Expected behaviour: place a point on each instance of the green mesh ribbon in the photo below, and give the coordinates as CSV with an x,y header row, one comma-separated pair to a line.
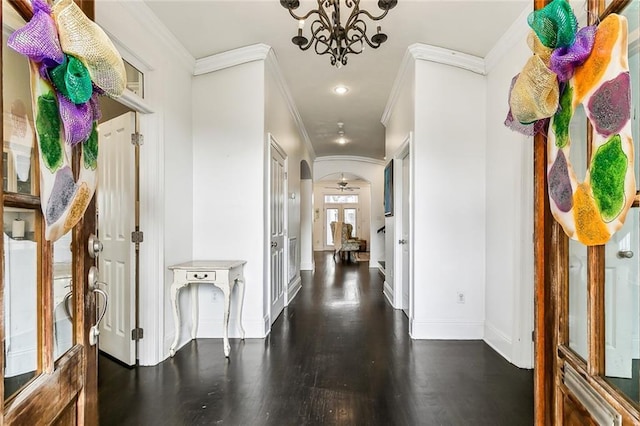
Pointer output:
x,y
48,127
608,170
90,149
72,79
555,24
562,118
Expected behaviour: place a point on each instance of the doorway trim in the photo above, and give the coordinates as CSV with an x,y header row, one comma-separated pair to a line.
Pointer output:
x,y
406,148
272,144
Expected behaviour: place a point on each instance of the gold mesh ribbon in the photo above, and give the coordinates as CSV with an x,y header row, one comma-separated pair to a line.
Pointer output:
x,y
82,38
538,48
535,93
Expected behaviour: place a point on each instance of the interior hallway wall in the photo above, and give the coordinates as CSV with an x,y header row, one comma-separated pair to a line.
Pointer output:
x,y
509,223
166,160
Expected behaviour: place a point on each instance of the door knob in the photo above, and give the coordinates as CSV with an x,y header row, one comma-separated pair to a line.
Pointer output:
x,y
625,254
95,246
402,241
274,244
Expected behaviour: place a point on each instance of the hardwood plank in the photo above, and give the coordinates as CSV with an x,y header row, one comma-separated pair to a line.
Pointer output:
x,y
339,354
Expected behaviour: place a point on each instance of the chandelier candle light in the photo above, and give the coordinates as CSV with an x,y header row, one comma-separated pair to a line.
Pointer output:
x,y
328,34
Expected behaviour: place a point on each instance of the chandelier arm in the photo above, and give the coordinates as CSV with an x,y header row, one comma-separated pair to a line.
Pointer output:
x,y
304,17
375,18
362,36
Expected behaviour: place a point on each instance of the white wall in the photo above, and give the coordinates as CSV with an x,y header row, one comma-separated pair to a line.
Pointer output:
x,y
371,171
509,224
230,181
449,202
166,160
228,191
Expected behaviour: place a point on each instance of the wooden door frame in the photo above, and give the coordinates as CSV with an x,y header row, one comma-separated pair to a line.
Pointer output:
x,y
551,246
79,365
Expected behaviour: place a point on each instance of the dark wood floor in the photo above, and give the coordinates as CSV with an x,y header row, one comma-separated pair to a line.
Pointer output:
x,y
339,355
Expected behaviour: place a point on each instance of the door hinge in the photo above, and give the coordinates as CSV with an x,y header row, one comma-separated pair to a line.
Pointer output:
x,y
137,334
137,237
137,139
533,336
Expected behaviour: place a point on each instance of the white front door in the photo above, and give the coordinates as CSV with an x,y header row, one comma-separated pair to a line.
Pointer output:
x,y
406,279
116,206
278,230
346,213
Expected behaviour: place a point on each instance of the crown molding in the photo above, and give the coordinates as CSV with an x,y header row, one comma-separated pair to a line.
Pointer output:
x,y
271,63
148,20
407,61
516,33
231,58
425,52
350,158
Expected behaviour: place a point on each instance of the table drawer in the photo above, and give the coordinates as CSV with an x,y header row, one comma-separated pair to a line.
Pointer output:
x,y
196,276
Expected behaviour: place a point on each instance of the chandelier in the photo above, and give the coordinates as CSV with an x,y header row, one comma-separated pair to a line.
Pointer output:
x,y
329,36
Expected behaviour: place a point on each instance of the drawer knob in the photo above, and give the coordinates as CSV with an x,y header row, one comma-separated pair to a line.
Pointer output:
x,y
200,277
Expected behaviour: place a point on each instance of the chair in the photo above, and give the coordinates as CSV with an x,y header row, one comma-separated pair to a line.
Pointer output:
x,y
343,242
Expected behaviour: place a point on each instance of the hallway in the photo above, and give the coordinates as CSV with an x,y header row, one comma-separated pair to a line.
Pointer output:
x,y
339,354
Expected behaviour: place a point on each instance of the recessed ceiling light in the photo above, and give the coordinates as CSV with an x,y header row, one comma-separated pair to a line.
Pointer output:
x,y
342,140
341,90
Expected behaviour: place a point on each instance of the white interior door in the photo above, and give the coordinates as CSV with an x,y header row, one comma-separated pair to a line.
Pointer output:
x,y
116,204
278,231
405,234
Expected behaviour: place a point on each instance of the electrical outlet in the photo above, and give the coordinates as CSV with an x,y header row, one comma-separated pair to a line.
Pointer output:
x,y
215,296
460,297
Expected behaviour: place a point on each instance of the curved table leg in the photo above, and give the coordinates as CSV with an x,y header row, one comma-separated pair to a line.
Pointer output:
x,y
227,303
194,310
240,284
176,318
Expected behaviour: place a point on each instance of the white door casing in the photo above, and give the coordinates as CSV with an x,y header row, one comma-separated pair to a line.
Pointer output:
x,y
277,231
116,203
405,233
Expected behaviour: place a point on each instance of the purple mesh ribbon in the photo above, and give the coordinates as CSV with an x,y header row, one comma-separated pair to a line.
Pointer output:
x,y
38,39
77,120
530,129
95,107
564,60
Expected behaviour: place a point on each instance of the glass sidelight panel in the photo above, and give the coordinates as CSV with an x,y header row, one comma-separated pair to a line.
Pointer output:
x,y
622,308
622,261
577,251
331,216
578,299
18,127
20,298
350,217
62,296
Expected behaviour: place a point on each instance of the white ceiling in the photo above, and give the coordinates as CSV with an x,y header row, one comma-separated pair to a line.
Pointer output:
x,y
209,27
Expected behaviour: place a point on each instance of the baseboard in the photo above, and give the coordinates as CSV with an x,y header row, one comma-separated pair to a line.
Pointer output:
x,y
499,341
382,271
308,266
446,330
294,288
388,293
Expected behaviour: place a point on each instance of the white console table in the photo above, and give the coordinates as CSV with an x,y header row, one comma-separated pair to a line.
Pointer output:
x,y
224,274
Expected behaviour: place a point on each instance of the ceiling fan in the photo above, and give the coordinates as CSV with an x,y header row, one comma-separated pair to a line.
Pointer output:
x,y
343,185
